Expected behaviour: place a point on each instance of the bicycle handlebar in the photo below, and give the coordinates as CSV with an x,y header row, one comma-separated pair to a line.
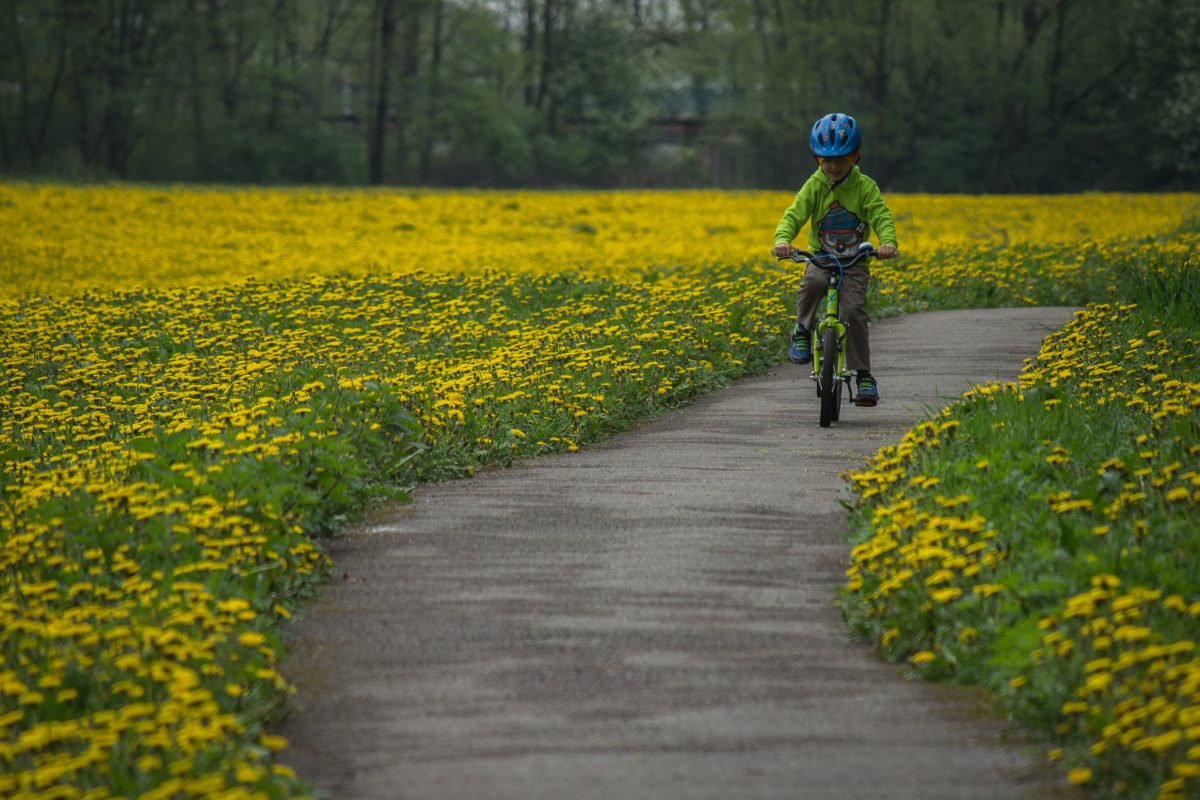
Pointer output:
x,y
829,260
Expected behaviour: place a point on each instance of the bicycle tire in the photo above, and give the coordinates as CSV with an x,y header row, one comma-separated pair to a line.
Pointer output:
x,y
831,389
816,371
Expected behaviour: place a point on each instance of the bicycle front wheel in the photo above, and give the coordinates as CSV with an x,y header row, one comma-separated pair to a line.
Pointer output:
x,y
831,381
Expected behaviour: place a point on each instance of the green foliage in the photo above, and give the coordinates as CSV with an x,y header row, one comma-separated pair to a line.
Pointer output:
x,y
1004,96
488,142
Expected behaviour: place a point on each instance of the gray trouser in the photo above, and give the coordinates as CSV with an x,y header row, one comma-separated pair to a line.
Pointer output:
x,y
854,309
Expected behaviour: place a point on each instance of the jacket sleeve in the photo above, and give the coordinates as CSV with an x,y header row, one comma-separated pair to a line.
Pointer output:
x,y
878,215
795,217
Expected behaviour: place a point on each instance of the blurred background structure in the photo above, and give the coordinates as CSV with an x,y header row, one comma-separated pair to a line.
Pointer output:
x,y
954,95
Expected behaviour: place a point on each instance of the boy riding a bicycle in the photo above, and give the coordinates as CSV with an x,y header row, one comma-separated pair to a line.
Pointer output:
x,y
841,206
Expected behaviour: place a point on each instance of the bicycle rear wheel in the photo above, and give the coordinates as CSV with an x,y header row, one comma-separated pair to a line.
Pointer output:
x,y
831,381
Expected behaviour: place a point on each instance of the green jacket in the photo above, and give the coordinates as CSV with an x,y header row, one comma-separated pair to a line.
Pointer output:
x,y
842,216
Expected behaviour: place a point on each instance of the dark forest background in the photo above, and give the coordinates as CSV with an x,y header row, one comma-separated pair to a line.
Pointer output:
x,y
953,95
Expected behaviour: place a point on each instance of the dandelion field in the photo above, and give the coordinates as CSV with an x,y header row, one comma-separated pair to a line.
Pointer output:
x,y
1041,538
199,384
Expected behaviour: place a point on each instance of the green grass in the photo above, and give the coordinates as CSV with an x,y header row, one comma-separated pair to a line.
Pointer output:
x,y
1081,483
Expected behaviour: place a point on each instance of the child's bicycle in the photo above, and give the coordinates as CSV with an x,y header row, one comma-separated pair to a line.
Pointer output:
x,y
829,334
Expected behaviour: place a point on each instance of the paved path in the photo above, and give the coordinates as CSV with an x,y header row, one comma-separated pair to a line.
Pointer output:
x,y
652,617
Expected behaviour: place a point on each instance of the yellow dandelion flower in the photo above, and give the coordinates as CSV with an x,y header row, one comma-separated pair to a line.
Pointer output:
x,y
1079,775
251,638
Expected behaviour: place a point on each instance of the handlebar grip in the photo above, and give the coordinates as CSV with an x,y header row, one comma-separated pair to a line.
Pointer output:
x,y
797,255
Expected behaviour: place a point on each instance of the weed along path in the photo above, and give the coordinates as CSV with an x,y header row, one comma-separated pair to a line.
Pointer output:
x,y
652,617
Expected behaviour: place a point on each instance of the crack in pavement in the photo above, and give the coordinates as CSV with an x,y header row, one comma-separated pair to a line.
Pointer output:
x,y
653,617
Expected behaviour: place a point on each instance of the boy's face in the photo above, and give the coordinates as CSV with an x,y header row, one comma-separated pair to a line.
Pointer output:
x,y
837,168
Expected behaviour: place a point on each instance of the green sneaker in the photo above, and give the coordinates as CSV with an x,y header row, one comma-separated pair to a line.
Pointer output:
x,y
868,391
800,351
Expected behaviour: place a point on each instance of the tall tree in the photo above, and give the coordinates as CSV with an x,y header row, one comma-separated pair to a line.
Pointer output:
x,y
379,83
409,90
433,96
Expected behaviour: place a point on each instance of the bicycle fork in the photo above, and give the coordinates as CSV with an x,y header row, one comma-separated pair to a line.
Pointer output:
x,y
829,316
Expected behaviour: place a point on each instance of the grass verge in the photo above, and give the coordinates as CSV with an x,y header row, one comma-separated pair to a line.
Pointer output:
x,y
1040,539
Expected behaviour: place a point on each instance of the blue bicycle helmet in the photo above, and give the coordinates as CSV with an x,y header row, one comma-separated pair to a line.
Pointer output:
x,y
835,135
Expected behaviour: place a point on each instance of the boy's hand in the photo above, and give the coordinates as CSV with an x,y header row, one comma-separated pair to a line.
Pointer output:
x,y
886,251
782,250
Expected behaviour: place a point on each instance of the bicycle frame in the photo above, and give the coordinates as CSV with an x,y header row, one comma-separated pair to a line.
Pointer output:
x,y
828,376
829,316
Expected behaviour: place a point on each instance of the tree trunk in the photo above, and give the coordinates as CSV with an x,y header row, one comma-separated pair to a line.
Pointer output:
x,y
381,68
697,21
432,128
24,122
325,36
278,26
529,53
201,157
35,138
880,92
84,69
224,56
409,70
117,129
762,34
545,100
1056,60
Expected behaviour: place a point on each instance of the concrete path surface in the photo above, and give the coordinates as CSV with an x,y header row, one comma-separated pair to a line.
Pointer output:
x,y
652,617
